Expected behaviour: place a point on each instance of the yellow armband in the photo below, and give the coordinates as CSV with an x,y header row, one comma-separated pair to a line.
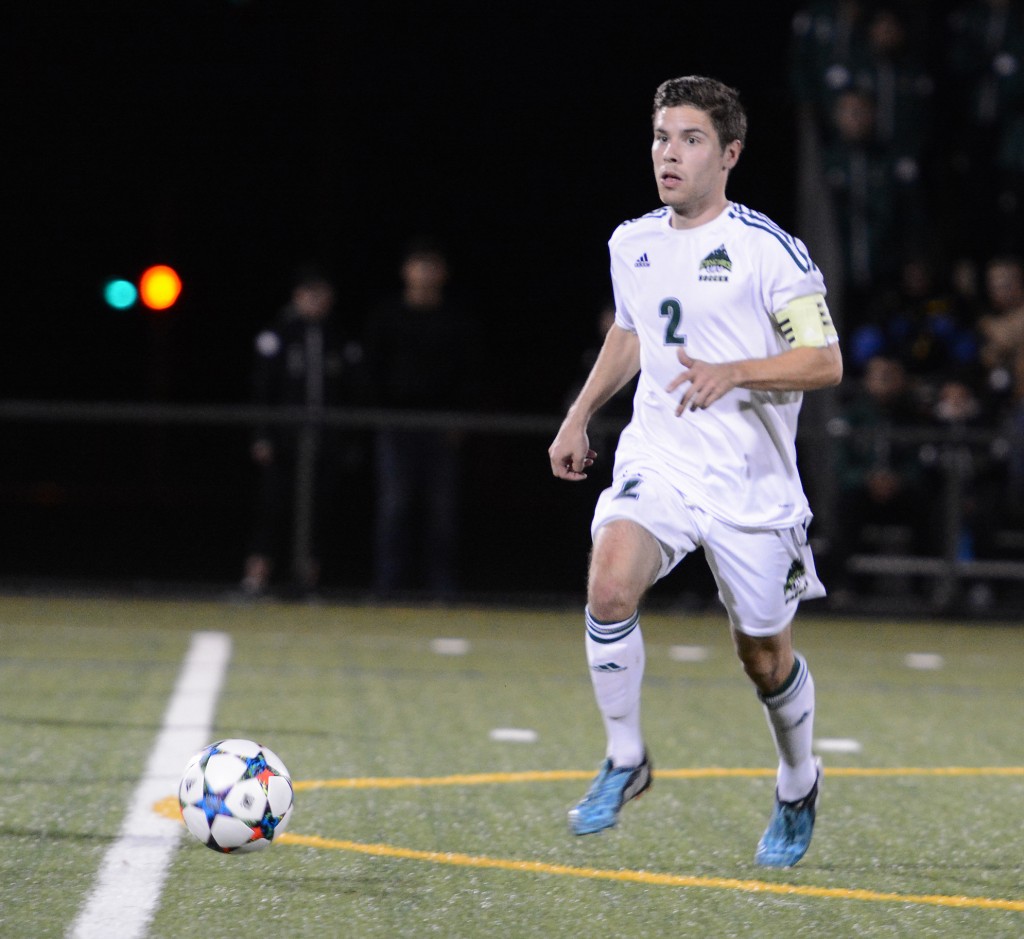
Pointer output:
x,y
806,323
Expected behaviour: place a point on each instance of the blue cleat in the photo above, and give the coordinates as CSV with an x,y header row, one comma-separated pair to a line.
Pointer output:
x,y
609,792
789,831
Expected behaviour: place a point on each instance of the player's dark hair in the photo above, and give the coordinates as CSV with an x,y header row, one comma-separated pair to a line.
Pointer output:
x,y
720,102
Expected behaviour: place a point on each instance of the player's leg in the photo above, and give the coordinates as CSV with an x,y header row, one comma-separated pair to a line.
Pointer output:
x,y
624,563
761,577
785,688
626,560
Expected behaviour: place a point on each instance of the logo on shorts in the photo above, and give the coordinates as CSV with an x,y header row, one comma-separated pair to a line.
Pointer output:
x,y
716,266
796,581
629,487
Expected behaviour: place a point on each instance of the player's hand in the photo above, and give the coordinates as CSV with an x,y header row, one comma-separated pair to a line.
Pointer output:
x,y
570,454
708,381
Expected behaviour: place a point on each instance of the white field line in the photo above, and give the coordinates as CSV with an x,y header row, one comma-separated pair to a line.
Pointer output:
x,y
132,875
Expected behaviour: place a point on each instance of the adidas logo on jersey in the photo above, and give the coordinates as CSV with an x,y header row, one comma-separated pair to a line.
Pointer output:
x,y
716,266
608,667
642,261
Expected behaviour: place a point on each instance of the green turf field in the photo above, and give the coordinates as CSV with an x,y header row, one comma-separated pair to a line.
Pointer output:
x,y
411,820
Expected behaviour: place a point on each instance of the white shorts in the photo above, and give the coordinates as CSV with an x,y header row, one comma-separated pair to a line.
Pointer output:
x,y
762,574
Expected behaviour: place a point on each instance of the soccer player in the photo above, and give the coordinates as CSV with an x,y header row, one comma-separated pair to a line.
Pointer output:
x,y
723,315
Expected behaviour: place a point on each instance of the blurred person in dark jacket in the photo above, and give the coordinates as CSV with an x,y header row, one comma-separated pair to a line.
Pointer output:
x,y
930,327
1002,355
423,353
883,484
304,359
1002,326
829,37
984,93
878,196
896,75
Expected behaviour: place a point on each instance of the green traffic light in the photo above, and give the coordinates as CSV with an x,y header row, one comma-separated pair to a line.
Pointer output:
x,y
120,294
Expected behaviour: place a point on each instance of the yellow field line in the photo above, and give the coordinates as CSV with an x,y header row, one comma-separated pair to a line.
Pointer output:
x,y
484,779
169,807
648,877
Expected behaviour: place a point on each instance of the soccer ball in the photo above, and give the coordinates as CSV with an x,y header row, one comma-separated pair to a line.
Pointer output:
x,y
236,795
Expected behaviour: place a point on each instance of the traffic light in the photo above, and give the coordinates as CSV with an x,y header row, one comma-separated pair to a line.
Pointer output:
x,y
159,287
120,294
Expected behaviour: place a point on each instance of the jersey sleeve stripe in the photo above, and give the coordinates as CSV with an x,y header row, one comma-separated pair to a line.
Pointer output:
x,y
801,262
749,217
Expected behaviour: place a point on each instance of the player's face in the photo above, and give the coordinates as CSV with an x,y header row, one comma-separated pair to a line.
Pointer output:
x,y
690,165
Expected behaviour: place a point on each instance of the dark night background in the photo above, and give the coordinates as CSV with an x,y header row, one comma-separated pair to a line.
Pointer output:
x,y
234,140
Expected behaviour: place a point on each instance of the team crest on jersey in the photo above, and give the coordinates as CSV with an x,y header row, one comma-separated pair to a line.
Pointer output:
x,y
716,266
796,581
629,488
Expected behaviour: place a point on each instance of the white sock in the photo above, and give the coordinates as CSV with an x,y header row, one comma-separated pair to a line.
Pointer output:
x,y
615,653
790,713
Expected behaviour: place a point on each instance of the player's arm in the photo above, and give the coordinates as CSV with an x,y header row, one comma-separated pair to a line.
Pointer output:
x,y
812,361
617,363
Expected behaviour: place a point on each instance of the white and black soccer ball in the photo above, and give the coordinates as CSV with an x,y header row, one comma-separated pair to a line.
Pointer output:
x,y
236,795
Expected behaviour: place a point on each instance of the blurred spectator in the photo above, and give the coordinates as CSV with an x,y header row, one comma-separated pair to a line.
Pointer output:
x,y
979,480
1002,329
828,39
900,194
306,358
985,88
1009,161
965,290
926,327
885,499
984,46
1002,353
424,353
899,83
878,201
957,403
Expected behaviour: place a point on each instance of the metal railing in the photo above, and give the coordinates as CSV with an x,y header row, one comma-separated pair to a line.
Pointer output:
x,y
952,452
309,424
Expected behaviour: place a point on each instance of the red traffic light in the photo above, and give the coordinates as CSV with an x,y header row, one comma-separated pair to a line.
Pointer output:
x,y
159,287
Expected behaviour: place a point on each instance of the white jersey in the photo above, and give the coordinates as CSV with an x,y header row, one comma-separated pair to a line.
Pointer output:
x,y
713,289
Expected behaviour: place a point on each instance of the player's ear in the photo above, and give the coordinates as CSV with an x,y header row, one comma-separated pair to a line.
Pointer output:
x,y
731,154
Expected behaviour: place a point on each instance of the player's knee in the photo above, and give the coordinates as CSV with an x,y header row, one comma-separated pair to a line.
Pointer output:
x,y
624,563
767,668
612,598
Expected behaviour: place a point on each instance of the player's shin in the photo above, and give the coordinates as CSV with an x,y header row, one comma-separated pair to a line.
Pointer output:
x,y
615,654
790,713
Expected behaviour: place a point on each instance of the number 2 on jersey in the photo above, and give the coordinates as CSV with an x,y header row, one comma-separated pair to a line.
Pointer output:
x,y
671,308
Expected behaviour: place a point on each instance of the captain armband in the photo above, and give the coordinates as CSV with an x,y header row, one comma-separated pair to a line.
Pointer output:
x,y
806,323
